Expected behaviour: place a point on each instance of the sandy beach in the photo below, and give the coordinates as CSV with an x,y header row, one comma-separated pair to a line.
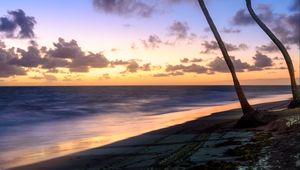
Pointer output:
x,y
207,142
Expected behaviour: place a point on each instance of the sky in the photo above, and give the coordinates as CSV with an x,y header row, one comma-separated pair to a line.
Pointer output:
x,y
139,42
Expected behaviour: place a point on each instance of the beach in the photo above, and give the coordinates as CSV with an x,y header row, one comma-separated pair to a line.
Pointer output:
x,y
43,123
202,143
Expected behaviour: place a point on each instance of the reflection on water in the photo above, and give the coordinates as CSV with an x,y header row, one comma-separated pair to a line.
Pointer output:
x,y
29,144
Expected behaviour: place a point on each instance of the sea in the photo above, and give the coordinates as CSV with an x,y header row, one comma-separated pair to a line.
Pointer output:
x,y
40,123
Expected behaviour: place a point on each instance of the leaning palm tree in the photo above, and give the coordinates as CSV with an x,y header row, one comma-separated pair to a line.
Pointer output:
x,y
296,94
250,117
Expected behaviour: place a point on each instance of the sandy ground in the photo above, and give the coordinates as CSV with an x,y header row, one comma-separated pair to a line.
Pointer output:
x,y
210,142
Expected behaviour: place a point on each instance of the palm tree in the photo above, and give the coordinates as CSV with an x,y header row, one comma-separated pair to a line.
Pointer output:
x,y
296,94
250,117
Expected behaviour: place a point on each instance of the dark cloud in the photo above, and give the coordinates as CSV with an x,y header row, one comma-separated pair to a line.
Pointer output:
x,y
119,62
52,63
285,26
231,30
193,68
65,49
6,69
132,67
184,60
242,17
29,58
294,35
179,30
295,6
80,61
194,60
271,47
93,60
17,21
261,60
172,68
210,47
177,73
153,41
219,65
146,67
231,47
125,7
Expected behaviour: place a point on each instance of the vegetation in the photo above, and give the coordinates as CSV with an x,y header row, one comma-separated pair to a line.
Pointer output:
x,y
296,94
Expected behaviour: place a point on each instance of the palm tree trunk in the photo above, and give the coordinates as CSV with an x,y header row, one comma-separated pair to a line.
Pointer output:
x,y
288,60
246,107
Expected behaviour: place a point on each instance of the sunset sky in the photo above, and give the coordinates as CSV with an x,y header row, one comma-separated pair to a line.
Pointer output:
x,y
143,42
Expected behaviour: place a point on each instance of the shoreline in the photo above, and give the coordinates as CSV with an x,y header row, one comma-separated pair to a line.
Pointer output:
x,y
133,127
179,134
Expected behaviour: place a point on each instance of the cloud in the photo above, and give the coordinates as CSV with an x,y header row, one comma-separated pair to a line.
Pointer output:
x,y
285,26
17,21
49,77
65,49
93,60
105,76
231,47
153,41
171,68
161,75
146,67
119,62
30,58
193,68
125,8
210,47
219,65
271,47
177,73
293,21
295,6
132,67
194,60
37,77
262,60
179,30
80,61
2,44
231,30
6,69
184,60
52,63
242,18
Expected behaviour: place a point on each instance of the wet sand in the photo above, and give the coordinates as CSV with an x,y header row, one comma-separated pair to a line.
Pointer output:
x,y
182,146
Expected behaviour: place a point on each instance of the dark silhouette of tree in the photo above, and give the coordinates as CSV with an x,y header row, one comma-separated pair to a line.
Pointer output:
x,y
251,116
296,94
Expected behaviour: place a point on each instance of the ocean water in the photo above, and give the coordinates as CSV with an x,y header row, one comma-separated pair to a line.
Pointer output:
x,y
38,123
